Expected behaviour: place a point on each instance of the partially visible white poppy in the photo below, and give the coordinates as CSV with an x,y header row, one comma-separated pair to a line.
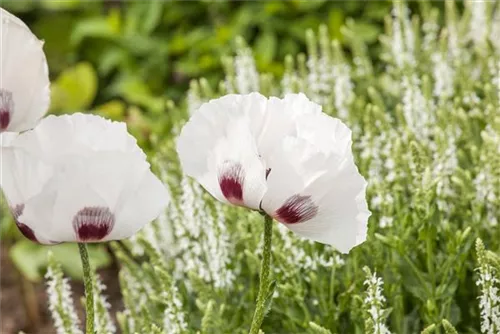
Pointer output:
x,y
24,76
282,156
79,178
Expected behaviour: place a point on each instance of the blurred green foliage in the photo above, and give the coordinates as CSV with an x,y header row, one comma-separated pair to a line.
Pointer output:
x,y
125,59
31,259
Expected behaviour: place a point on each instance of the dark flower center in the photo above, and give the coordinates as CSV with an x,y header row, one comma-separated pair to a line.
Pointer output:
x,y
17,211
231,177
93,223
6,108
296,209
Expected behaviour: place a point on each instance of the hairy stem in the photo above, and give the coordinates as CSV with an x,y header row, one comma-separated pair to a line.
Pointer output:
x,y
259,314
89,295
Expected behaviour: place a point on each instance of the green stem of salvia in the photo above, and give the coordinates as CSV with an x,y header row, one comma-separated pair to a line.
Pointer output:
x,y
259,314
89,295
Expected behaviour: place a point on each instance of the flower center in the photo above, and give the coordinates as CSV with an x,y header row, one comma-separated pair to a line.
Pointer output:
x,y
6,108
296,209
17,211
93,223
231,177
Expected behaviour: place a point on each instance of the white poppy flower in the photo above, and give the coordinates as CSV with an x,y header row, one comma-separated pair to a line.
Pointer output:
x,y
283,156
79,178
24,76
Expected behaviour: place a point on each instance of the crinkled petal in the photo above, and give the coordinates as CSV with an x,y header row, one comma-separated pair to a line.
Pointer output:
x,y
281,120
105,197
22,175
56,137
326,200
218,148
100,188
52,212
142,205
24,84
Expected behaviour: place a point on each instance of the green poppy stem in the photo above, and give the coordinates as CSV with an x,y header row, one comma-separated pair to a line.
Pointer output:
x,y
89,294
260,308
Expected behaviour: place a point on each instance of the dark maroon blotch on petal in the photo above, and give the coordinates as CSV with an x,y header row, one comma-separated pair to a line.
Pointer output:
x,y
6,108
27,231
296,209
93,223
4,119
231,179
17,211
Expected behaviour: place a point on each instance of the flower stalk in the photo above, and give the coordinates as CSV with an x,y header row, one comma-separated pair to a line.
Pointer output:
x,y
263,295
89,294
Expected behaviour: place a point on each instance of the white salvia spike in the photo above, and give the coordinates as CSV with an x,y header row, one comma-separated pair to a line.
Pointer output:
x,y
343,89
495,30
403,40
489,300
478,29
24,76
247,77
418,112
61,304
209,257
374,303
80,178
193,99
444,77
102,322
173,317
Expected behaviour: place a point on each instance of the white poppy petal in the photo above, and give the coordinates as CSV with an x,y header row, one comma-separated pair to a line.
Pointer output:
x,y
55,211
329,135
218,148
342,212
141,206
56,137
22,177
325,202
289,175
281,120
24,76
101,188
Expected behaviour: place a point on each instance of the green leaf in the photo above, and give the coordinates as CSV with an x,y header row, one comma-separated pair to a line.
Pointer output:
x,y
18,6
317,329
265,47
57,44
307,6
28,258
448,327
98,27
335,22
368,32
68,256
114,110
59,5
136,91
74,89
152,17
31,258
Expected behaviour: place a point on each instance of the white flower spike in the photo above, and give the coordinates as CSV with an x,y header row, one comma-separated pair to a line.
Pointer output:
x,y
24,76
283,156
79,178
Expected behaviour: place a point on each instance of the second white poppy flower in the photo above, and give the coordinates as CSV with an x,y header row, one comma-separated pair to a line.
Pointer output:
x,y
283,156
